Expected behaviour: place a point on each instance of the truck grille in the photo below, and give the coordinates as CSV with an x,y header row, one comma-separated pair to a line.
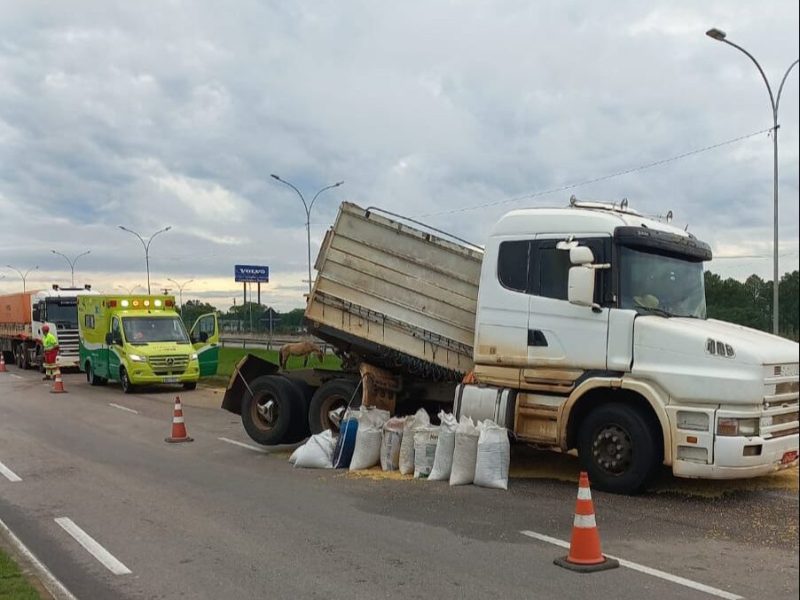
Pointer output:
x,y
781,416
169,365
68,342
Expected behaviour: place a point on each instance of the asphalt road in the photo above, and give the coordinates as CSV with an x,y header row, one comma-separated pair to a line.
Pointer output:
x,y
211,519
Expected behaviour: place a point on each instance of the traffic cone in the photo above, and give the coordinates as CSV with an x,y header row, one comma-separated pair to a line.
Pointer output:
x,y
584,547
58,384
178,426
2,362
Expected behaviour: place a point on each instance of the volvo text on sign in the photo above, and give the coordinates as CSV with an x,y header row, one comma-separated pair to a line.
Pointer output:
x,y
251,273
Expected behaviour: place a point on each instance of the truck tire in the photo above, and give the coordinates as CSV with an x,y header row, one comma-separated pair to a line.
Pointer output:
x,y
190,385
330,396
91,377
619,448
267,412
300,427
125,381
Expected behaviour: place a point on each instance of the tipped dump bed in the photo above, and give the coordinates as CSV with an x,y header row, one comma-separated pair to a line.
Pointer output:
x,y
396,295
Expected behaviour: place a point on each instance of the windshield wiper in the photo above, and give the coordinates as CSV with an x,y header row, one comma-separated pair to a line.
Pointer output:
x,y
656,311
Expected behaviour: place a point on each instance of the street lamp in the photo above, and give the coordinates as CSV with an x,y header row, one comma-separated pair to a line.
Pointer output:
x,y
146,246
23,275
180,289
127,289
720,36
308,208
72,262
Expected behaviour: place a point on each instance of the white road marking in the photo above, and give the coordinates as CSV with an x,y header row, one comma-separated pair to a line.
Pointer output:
x,y
53,585
9,474
84,539
16,376
643,569
243,445
125,408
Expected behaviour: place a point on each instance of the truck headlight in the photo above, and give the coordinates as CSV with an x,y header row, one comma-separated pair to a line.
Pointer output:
x,y
137,358
737,427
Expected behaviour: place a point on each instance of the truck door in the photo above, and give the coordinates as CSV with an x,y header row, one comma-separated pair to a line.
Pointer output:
x,y
564,340
205,338
114,349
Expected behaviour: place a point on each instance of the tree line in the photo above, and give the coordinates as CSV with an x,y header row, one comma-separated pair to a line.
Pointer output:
x,y
747,303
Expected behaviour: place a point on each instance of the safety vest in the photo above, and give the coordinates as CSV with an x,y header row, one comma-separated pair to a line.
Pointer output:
x,y
49,342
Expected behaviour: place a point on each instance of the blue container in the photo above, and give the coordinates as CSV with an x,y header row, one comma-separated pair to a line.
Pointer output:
x,y
343,453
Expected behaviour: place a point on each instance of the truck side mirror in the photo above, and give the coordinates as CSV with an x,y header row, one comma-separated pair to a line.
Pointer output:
x,y
581,285
36,314
581,255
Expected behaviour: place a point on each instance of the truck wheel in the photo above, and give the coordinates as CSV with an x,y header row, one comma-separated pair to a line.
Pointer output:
x,y
619,448
267,412
125,381
328,397
91,377
300,428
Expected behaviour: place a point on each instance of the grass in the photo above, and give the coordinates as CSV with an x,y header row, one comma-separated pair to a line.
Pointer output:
x,y
229,357
13,585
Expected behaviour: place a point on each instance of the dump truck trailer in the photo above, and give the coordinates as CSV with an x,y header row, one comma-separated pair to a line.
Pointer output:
x,y
577,328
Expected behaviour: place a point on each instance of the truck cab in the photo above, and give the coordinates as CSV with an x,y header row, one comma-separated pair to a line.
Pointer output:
x,y
141,340
596,315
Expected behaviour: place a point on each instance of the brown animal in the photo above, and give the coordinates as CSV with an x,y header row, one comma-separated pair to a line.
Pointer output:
x,y
304,349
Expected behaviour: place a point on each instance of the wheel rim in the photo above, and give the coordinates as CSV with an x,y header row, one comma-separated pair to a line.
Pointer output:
x,y
264,411
126,384
612,449
331,403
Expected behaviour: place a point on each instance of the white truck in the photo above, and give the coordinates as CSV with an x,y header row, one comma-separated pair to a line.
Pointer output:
x,y
579,328
22,316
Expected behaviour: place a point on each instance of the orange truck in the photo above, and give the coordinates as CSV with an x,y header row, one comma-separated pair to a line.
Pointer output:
x,y
22,316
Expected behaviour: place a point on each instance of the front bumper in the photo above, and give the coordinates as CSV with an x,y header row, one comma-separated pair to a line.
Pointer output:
x,y
143,375
731,463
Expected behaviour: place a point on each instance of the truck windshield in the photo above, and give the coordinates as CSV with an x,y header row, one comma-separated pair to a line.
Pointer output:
x,y
659,284
144,330
63,312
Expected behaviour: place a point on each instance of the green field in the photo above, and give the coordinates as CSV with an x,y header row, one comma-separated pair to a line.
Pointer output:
x,y
229,357
13,585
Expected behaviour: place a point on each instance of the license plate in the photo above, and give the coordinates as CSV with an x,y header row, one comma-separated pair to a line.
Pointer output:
x,y
789,457
170,380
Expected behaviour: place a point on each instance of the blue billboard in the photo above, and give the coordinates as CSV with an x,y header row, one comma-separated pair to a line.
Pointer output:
x,y
251,273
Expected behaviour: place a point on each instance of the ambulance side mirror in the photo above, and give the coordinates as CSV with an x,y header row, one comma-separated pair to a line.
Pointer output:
x,y
109,338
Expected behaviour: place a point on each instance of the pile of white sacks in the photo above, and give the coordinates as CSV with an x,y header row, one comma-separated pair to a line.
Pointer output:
x,y
461,452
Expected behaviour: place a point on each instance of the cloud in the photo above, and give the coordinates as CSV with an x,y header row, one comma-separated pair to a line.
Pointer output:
x,y
114,113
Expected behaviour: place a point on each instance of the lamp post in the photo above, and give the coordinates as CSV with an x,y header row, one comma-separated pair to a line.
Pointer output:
x,y
146,246
127,289
24,276
180,289
72,263
308,208
775,101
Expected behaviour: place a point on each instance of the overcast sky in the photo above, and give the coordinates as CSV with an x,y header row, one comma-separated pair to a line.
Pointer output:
x,y
149,114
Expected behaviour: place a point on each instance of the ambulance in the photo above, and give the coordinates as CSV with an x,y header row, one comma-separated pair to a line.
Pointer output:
x,y
140,340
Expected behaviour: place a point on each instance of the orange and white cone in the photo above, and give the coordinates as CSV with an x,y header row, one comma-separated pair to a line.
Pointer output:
x,y
178,426
58,384
584,547
2,362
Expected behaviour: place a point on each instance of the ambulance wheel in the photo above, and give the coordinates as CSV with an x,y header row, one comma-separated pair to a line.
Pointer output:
x,y
91,377
190,385
125,381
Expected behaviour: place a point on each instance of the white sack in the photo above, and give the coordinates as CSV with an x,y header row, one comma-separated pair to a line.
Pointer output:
x,y
367,451
443,460
316,453
494,455
390,445
425,440
465,452
420,419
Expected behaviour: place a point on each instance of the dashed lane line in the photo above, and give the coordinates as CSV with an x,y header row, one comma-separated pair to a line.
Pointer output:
x,y
243,445
49,581
125,408
108,560
9,474
643,569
